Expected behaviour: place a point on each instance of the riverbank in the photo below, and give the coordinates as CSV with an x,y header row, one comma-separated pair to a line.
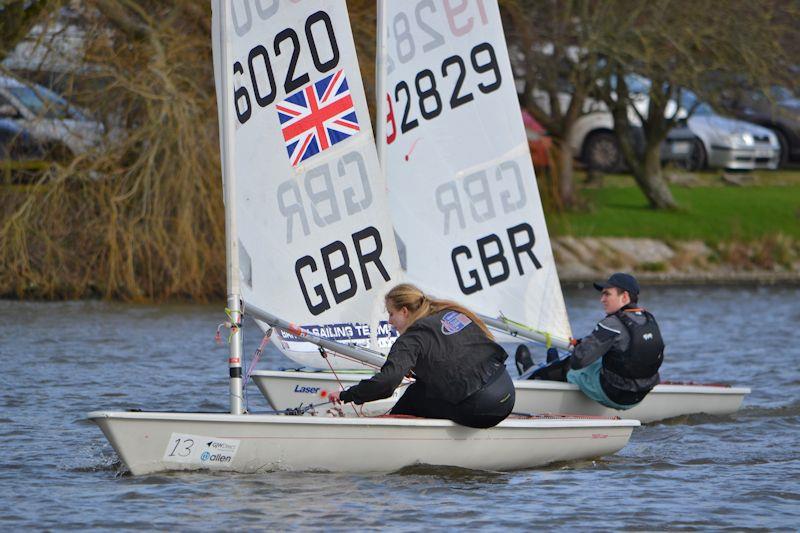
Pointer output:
x,y
770,261
729,228
726,230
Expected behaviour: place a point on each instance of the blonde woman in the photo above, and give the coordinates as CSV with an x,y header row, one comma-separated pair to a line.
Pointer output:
x,y
459,369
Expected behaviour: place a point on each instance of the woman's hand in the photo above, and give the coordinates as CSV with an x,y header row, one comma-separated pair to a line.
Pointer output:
x,y
333,397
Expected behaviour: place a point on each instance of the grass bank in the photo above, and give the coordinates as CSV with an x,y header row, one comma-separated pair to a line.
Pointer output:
x,y
711,209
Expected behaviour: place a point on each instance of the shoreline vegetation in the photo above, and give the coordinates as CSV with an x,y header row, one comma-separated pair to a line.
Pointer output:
x,y
140,217
730,229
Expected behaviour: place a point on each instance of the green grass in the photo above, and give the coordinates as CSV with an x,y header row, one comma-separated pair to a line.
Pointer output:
x,y
711,212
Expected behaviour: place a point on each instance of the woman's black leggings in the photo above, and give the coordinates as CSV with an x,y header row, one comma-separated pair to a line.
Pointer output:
x,y
487,407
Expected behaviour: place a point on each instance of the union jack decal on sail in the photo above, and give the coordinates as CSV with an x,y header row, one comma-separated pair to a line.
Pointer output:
x,y
317,116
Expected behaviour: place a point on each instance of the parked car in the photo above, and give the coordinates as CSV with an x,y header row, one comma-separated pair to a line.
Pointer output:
x,y
779,111
593,141
46,117
16,144
539,142
729,143
718,142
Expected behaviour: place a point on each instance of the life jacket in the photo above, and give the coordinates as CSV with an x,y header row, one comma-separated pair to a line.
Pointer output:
x,y
645,352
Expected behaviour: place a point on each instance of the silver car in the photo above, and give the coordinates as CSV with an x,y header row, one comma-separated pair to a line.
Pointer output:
x,y
46,116
728,143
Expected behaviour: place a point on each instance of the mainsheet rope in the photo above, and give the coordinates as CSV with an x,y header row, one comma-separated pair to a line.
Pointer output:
x,y
253,362
233,326
324,355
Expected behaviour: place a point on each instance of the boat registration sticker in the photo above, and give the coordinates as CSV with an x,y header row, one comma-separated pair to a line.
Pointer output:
x,y
200,450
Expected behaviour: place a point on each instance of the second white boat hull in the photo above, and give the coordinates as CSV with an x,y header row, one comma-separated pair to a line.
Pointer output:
x,y
157,442
290,389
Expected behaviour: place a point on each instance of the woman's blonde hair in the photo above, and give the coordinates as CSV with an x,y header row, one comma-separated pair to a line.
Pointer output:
x,y
420,305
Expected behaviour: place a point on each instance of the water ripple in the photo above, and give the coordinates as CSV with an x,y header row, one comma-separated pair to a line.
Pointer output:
x,y
698,472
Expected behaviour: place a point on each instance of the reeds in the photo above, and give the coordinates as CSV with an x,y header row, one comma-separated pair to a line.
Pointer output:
x,y
140,216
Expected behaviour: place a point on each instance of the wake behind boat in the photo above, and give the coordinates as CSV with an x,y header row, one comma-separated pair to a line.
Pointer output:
x,y
307,234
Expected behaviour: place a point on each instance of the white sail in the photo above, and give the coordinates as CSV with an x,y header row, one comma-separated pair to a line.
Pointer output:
x,y
462,190
315,245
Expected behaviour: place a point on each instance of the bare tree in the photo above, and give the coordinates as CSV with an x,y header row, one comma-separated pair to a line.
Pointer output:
x,y
553,47
567,53
140,216
678,45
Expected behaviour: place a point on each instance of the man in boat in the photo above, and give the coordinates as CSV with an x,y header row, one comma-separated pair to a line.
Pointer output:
x,y
459,370
617,363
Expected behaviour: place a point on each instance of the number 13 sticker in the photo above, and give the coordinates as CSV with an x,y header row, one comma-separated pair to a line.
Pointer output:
x,y
198,449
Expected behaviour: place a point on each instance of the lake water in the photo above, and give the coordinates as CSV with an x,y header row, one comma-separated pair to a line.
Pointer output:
x,y
61,360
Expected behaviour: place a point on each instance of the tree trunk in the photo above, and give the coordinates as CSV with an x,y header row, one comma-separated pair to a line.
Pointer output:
x,y
566,175
651,180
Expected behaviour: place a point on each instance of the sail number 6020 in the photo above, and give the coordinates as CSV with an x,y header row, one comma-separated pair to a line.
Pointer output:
x,y
259,66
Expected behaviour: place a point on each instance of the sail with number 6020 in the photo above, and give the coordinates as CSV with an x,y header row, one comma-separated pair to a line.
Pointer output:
x,y
313,208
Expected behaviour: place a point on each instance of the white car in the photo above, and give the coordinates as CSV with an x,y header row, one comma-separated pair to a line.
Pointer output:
x,y
47,117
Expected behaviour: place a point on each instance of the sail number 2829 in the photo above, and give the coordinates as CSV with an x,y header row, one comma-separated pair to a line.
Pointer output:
x,y
428,94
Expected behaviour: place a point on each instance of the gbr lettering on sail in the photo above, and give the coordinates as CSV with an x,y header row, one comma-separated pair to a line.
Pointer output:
x,y
312,227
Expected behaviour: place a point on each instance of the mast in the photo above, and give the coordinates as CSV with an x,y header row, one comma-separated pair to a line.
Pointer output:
x,y
229,197
380,82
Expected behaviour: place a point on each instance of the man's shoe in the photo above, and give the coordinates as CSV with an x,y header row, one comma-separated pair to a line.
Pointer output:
x,y
523,359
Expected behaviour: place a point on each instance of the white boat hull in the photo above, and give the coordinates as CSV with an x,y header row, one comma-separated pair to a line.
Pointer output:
x,y
290,389
157,442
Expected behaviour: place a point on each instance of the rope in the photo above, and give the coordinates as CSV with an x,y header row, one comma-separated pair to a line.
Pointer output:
x,y
257,356
252,366
232,323
324,355
343,356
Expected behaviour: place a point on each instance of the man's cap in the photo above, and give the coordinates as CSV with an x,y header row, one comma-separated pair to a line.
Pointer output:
x,y
620,280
